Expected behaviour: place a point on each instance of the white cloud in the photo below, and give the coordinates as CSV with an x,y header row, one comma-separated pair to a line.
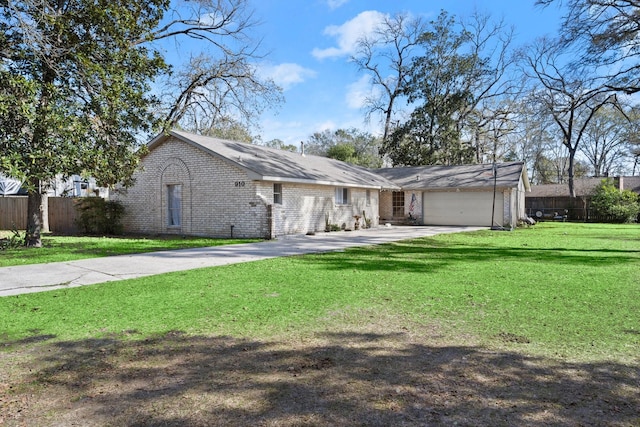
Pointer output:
x,y
334,4
287,74
326,125
358,92
348,34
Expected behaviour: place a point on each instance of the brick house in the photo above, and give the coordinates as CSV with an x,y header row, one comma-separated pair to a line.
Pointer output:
x,y
475,195
196,185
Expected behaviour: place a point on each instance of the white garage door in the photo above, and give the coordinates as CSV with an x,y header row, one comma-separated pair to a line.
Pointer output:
x,y
462,208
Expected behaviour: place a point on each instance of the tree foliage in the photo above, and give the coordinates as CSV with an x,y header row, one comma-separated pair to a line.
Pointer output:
x,y
450,89
281,145
76,82
617,205
349,145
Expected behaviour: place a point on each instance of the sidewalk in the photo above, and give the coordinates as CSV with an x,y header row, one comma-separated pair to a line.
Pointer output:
x,y
44,277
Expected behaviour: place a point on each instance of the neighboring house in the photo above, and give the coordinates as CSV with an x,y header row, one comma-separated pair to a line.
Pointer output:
x,y
73,186
196,185
9,186
480,195
552,201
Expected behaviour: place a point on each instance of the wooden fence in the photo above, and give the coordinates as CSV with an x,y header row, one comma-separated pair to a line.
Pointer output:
x,y
564,208
62,214
572,209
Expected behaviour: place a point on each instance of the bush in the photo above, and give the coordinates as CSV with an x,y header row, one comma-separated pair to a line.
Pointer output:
x,y
100,216
615,205
12,242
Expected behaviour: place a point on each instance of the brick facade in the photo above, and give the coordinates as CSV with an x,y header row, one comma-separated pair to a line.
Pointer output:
x,y
220,200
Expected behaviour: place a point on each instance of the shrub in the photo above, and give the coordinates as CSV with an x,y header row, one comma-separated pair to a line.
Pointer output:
x,y
615,205
100,216
13,241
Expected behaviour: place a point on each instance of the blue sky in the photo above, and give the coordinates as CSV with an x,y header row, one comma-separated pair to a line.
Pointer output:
x,y
310,41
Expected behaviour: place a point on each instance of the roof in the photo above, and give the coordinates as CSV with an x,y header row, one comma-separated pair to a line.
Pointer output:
x,y
451,177
270,164
582,186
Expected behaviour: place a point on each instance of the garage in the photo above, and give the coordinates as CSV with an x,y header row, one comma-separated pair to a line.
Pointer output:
x,y
462,208
456,195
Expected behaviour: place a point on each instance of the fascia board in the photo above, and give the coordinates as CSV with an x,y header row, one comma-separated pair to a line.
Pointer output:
x,y
316,182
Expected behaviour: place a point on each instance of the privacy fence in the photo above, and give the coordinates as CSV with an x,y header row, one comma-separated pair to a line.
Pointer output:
x,y
564,208
62,214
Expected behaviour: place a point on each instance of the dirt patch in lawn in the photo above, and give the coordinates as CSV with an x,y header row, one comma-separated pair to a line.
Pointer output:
x,y
343,377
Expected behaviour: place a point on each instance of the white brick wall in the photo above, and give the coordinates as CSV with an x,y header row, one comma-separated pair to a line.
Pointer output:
x,y
305,208
218,197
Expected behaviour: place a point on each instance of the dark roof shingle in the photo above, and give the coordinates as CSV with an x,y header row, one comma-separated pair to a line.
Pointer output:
x,y
466,176
270,164
583,187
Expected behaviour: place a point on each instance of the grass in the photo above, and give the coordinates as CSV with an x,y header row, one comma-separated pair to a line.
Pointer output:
x,y
69,248
560,290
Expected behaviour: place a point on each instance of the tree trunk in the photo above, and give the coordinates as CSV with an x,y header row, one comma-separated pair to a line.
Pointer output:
x,y
44,208
34,216
572,190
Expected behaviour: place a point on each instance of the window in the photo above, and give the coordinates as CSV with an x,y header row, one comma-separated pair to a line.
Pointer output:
x,y
174,205
277,194
342,196
368,197
397,202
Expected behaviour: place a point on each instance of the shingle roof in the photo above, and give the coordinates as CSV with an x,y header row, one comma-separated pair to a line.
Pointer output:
x,y
465,176
269,164
582,186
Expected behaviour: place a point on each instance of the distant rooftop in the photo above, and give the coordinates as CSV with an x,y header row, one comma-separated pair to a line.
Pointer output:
x,y
583,187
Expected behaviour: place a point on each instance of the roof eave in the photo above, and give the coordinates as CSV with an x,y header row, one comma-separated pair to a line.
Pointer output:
x,y
257,177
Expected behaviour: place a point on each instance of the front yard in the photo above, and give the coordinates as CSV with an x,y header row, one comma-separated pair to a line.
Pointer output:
x,y
69,248
540,326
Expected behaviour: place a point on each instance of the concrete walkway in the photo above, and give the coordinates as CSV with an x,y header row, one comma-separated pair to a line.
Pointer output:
x,y
44,277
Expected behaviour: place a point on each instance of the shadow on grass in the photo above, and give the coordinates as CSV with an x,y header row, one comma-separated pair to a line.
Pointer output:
x,y
337,379
428,254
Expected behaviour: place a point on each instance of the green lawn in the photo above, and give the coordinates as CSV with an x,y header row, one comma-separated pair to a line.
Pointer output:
x,y
556,289
69,248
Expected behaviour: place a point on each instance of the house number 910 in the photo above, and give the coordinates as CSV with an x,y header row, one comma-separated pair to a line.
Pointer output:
x,y
239,183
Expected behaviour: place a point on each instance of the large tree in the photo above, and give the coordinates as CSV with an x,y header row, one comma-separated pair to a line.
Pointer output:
x,y
606,141
77,80
571,97
453,89
606,32
385,55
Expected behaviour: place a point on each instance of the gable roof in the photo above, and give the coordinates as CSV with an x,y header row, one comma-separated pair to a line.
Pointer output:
x,y
270,164
583,187
452,177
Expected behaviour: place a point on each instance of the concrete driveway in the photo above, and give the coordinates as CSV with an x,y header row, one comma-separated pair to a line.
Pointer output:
x,y
44,277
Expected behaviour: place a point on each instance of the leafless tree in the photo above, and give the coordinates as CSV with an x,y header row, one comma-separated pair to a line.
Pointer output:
x,y
220,82
607,32
386,56
486,120
606,140
571,97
